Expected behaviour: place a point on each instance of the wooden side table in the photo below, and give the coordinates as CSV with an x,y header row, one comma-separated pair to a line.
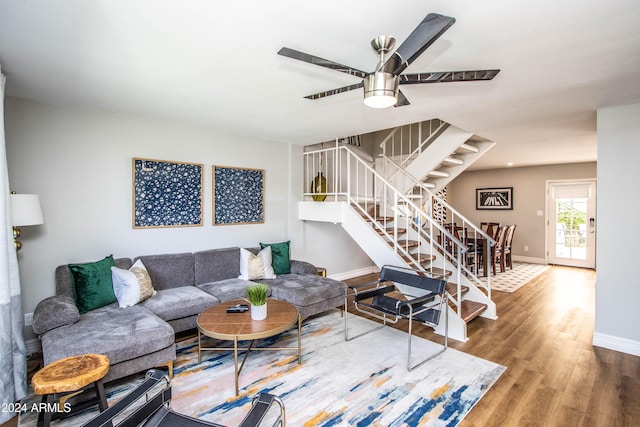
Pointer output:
x,y
68,377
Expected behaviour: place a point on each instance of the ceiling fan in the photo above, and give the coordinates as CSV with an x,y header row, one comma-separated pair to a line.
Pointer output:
x,y
381,86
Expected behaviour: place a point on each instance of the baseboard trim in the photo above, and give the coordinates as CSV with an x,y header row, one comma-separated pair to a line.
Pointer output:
x,y
354,273
530,260
623,345
33,346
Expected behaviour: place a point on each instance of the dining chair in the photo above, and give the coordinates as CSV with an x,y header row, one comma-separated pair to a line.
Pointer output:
x,y
491,228
460,233
475,246
497,252
508,240
448,226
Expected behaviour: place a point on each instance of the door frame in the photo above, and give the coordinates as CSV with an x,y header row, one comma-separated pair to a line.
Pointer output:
x,y
548,226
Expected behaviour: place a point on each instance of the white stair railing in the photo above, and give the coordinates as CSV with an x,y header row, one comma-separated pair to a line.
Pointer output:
x,y
392,214
407,142
447,215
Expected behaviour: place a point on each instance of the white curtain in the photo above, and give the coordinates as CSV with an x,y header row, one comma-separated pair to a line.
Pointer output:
x,y
13,360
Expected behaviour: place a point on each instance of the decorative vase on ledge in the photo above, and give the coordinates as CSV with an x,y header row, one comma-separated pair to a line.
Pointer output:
x,y
319,185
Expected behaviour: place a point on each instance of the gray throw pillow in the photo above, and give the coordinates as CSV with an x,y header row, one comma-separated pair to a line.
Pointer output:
x,y
54,312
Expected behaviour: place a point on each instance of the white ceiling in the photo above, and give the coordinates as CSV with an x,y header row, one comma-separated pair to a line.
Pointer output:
x,y
215,63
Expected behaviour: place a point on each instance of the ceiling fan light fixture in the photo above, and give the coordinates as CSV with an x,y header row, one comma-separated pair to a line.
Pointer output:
x,y
381,90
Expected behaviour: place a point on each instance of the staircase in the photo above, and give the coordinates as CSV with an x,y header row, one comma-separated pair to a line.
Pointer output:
x,y
393,223
433,151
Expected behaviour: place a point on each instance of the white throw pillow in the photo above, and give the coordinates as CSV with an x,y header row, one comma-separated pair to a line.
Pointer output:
x,y
256,266
133,285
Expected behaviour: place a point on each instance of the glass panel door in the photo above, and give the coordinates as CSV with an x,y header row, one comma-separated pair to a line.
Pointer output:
x,y
571,223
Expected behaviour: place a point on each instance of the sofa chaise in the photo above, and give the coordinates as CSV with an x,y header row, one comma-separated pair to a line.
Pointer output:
x,y
142,336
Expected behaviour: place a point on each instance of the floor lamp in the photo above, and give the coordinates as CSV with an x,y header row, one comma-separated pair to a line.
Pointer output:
x,y
25,211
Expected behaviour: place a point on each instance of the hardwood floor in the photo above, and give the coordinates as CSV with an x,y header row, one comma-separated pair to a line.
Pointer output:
x,y
554,377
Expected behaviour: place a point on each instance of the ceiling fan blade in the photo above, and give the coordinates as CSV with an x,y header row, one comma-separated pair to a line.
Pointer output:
x,y
448,76
423,36
402,100
335,91
315,60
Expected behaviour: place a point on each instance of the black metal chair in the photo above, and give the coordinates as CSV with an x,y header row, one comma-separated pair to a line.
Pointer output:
x,y
156,412
376,302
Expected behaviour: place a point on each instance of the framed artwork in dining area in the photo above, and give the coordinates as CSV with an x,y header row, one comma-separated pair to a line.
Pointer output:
x,y
500,198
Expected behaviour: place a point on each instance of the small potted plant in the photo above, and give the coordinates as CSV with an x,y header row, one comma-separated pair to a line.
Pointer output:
x,y
257,296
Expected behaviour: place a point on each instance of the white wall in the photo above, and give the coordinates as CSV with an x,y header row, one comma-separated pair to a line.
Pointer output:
x,y
529,192
331,247
80,165
618,284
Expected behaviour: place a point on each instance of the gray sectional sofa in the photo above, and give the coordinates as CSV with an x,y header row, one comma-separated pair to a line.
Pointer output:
x,y
143,336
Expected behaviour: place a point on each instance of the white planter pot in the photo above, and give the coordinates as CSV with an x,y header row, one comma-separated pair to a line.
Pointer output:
x,y
259,312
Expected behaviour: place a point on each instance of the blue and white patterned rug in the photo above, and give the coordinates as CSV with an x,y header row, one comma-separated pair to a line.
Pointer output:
x,y
361,382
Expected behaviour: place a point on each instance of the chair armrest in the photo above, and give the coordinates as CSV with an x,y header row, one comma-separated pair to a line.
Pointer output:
x,y
53,312
155,411
420,300
363,285
261,405
352,290
302,267
370,293
152,377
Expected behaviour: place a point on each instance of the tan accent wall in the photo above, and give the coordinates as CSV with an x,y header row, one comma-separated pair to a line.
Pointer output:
x,y
529,198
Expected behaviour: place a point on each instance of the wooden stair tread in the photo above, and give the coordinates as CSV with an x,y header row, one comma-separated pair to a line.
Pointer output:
x,y
381,219
469,148
439,272
453,161
378,218
471,309
422,260
452,289
405,243
391,230
438,174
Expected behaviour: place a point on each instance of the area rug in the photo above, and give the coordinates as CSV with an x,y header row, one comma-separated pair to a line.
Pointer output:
x,y
357,383
512,280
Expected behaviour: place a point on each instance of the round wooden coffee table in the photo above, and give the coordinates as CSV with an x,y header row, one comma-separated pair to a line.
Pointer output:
x,y
216,323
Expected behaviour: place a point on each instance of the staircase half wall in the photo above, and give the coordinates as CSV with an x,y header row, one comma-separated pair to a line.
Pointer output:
x,y
359,230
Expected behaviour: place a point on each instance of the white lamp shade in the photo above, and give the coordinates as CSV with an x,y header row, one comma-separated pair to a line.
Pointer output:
x,y
380,101
26,210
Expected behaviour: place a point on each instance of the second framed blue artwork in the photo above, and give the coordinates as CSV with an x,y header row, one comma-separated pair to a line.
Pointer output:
x,y
238,195
166,194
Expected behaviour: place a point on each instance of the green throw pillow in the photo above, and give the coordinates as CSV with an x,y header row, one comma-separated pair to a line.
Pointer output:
x,y
92,284
279,257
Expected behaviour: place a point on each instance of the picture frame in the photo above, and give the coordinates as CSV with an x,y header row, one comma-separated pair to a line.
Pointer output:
x,y
499,198
238,195
166,193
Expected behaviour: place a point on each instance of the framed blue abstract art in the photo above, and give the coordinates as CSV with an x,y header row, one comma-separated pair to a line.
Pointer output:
x,y
166,194
238,195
